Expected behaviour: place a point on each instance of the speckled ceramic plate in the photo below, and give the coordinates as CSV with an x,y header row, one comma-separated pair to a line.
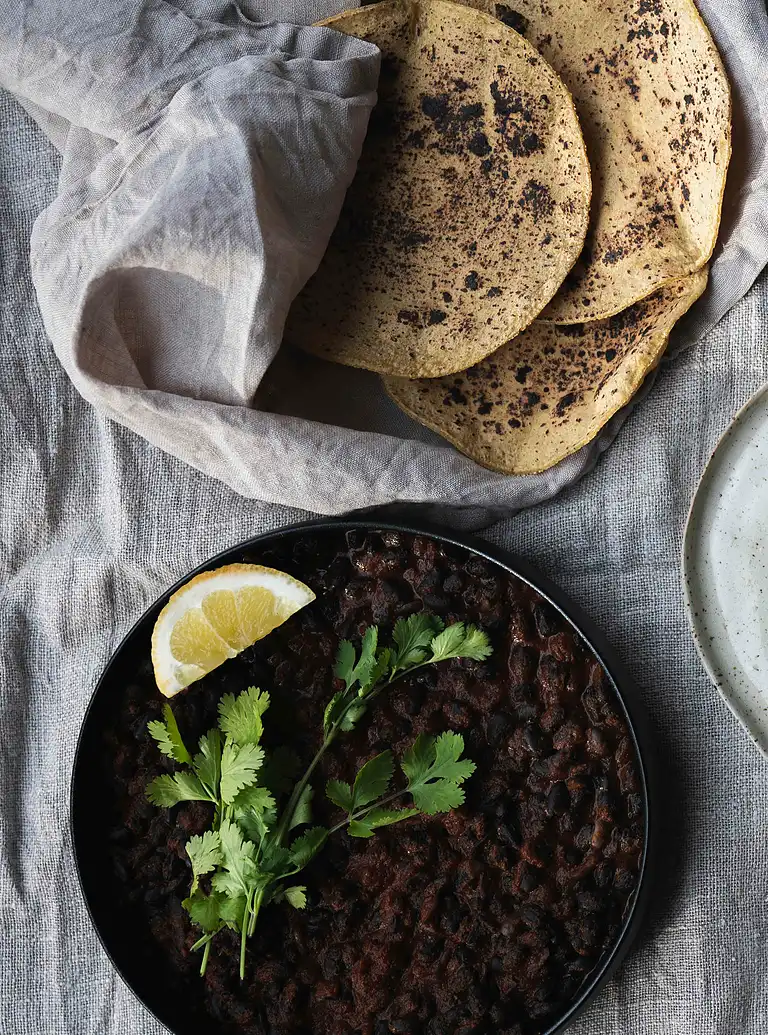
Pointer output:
x,y
725,568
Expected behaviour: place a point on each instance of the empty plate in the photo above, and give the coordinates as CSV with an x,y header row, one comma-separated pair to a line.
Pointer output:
x,y
725,568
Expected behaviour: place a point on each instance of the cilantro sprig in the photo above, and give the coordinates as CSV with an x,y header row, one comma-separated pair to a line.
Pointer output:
x,y
242,863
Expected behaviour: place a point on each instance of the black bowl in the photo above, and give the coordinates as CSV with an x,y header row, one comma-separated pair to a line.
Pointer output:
x,y
90,848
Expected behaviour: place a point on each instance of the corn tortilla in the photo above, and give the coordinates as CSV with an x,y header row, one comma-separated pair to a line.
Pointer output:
x,y
548,391
469,206
654,104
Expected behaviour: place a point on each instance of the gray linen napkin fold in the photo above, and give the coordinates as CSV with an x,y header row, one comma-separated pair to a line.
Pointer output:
x,y
205,158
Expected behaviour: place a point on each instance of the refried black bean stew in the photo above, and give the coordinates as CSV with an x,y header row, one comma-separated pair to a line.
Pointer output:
x,y
487,919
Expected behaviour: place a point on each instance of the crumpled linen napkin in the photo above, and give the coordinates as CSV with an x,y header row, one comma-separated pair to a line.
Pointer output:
x,y
206,153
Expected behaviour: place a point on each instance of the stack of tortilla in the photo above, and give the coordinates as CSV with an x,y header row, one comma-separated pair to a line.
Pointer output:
x,y
534,209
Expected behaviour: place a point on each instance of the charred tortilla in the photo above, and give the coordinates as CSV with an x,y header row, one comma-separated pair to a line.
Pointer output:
x,y
549,390
654,104
469,206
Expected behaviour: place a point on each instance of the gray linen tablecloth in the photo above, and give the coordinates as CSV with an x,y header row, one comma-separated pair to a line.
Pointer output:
x,y
95,522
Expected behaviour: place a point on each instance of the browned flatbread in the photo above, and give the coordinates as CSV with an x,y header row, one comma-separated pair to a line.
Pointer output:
x,y
469,206
654,104
549,390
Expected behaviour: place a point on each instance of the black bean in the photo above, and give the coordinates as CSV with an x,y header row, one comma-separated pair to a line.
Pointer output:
x,y
477,567
404,1026
602,793
497,726
431,945
548,622
623,880
603,875
496,1015
634,805
439,1026
331,963
558,799
534,739
528,879
453,584
589,902
532,916
583,838
597,743
450,914
509,833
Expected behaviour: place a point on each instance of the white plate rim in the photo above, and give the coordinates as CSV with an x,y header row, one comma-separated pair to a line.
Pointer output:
x,y
692,608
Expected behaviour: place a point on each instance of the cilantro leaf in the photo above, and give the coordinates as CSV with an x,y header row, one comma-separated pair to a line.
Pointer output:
x,y
240,717
438,796
371,821
306,847
448,763
207,764
341,705
447,644
418,758
231,910
345,663
435,769
239,766
169,738
238,859
296,895
204,910
372,780
460,641
333,711
280,769
159,733
412,636
379,670
255,824
340,794
166,791
204,851
257,798
476,644
355,712
302,814
364,669
255,812
274,858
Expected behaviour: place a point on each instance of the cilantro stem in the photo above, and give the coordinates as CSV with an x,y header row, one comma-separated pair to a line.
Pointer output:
x,y
368,808
285,820
206,954
287,816
255,910
250,914
244,931
204,940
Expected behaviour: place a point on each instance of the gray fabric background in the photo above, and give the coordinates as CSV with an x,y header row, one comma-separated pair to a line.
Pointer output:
x,y
95,522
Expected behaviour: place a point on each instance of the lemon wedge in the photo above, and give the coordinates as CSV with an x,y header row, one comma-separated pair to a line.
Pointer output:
x,y
218,614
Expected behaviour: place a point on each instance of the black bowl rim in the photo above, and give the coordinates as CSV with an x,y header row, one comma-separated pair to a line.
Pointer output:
x,y
621,682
